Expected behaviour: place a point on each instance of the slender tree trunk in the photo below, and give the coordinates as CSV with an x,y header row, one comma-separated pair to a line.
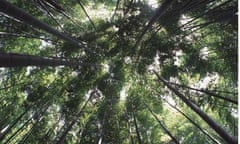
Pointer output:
x,y
206,92
46,137
2,135
63,137
226,136
58,132
80,133
205,13
116,8
128,7
45,9
21,15
129,126
15,133
37,115
195,4
136,125
53,4
84,10
43,4
158,15
101,137
130,131
102,131
162,125
7,35
20,60
25,137
194,123
148,41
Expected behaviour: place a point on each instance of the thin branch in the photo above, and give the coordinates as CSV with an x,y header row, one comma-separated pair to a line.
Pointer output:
x,y
209,93
158,15
129,127
222,132
194,123
63,136
21,15
6,34
162,125
21,60
128,7
136,124
84,10
50,14
116,8
205,13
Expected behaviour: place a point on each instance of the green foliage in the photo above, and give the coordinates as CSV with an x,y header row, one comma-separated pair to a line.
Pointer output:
x,y
169,70
120,73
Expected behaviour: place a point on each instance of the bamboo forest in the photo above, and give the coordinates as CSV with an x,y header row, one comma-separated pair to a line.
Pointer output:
x,y
118,71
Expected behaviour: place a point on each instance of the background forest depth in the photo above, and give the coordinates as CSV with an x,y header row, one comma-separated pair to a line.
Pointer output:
x,y
118,71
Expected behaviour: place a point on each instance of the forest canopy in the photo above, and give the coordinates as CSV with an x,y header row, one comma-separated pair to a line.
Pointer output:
x,y
118,71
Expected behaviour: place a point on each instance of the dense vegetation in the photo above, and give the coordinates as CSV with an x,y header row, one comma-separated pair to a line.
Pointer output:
x,y
118,71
